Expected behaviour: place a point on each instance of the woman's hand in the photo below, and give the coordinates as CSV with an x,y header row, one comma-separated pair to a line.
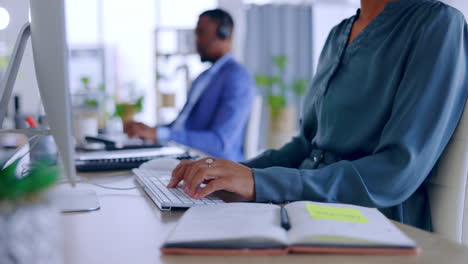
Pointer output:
x,y
221,174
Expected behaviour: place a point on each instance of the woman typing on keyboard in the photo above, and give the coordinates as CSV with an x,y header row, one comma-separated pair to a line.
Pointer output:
x,y
390,88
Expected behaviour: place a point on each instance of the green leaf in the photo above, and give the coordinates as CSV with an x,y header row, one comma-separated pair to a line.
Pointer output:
x,y
139,104
124,109
91,102
263,80
7,181
119,110
276,103
41,176
8,173
280,62
276,80
85,80
300,86
268,82
102,87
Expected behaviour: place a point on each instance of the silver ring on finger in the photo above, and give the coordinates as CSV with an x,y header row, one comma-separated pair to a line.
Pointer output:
x,y
210,162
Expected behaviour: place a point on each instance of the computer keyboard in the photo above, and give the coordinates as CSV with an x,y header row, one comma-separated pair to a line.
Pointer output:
x,y
155,182
125,159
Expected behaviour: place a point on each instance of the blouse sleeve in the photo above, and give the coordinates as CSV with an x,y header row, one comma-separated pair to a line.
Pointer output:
x,y
289,156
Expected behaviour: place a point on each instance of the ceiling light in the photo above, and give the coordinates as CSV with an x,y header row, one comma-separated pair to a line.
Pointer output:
x,y
4,18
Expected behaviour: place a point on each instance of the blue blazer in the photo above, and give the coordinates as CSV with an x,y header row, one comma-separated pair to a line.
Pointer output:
x,y
216,124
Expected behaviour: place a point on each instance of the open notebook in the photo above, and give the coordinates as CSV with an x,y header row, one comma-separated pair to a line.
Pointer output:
x,y
255,229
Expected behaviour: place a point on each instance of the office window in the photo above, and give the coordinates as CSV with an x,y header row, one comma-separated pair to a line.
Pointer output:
x,y
111,42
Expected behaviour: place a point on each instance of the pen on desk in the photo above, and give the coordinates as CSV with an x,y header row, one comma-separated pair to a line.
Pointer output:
x,y
30,121
285,219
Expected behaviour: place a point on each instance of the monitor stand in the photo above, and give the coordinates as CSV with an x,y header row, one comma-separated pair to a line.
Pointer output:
x,y
72,200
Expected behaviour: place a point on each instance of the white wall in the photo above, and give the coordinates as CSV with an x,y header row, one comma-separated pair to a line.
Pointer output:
x,y
461,5
327,15
129,28
82,20
236,10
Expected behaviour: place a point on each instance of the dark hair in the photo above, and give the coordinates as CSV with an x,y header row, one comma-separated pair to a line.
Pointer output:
x,y
223,20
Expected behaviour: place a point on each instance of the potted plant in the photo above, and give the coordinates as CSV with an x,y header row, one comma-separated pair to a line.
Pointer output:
x,y
91,102
126,111
282,99
27,219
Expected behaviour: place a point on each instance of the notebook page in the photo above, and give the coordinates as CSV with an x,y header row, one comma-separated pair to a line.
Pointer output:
x,y
359,226
232,225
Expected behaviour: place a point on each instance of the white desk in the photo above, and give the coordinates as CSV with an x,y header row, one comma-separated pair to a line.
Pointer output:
x,y
129,228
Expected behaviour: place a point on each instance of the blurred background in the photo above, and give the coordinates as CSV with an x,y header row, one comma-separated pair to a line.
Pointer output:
x,y
142,53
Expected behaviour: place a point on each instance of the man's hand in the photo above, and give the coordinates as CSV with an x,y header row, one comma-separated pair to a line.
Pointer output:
x,y
222,174
140,130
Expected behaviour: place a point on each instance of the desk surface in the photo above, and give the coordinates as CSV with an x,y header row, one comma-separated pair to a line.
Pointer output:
x,y
129,228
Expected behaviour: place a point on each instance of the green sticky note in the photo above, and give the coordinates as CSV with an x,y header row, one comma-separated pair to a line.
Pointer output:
x,y
336,213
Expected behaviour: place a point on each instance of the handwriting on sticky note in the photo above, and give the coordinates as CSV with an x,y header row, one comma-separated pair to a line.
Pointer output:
x,y
336,213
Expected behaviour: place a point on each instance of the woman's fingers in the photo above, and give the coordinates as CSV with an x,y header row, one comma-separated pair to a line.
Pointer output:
x,y
192,170
178,173
211,187
182,172
218,175
191,175
202,174
182,165
174,181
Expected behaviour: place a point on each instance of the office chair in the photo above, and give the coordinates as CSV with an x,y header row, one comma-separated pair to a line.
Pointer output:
x,y
448,191
252,132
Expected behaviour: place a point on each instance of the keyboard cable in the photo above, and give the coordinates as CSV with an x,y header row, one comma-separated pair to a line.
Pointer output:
x,y
86,181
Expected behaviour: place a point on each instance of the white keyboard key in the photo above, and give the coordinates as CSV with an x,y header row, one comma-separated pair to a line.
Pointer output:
x,y
170,195
158,192
156,184
182,196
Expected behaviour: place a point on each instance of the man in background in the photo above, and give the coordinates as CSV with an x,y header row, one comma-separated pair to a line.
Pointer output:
x,y
219,102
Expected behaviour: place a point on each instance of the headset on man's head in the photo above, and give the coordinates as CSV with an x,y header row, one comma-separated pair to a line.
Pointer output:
x,y
224,30
224,20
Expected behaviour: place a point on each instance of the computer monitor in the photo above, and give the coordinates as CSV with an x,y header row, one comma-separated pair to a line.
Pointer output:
x,y
50,53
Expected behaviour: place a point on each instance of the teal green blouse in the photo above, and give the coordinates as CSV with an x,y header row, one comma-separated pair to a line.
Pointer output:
x,y
378,115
